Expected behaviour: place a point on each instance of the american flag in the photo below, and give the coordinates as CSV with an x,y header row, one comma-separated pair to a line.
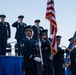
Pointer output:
x,y
50,15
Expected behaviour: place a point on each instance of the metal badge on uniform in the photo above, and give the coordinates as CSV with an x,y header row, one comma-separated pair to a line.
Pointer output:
x,y
41,29
36,44
22,45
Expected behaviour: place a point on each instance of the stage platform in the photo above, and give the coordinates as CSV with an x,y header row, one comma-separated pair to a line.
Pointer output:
x,y
10,65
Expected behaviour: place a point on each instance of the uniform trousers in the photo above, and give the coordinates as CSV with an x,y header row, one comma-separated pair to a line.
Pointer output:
x,y
30,72
59,71
3,43
47,71
19,48
73,72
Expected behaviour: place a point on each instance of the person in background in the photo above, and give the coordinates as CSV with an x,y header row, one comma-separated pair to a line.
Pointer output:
x,y
58,59
46,53
36,29
19,35
5,34
73,59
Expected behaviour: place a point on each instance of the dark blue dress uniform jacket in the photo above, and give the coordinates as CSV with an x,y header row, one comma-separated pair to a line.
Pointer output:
x,y
4,35
46,52
29,52
58,59
20,30
36,32
5,30
73,59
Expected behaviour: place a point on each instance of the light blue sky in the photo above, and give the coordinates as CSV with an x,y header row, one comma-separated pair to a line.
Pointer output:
x,y
36,9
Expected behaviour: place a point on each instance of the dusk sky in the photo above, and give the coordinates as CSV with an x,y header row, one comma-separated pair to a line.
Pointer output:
x,y
65,11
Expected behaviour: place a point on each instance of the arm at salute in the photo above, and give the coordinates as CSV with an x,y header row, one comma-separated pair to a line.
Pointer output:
x,y
15,24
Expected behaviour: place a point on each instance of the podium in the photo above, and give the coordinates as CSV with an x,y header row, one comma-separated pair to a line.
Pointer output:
x,y
11,65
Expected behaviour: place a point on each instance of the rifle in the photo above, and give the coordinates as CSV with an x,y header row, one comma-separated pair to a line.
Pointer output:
x,y
39,50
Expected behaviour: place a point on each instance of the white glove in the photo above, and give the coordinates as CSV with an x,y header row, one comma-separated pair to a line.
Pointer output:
x,y
37,59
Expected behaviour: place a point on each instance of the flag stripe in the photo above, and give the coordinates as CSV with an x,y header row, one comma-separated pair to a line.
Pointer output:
x,y
50,15
50,8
